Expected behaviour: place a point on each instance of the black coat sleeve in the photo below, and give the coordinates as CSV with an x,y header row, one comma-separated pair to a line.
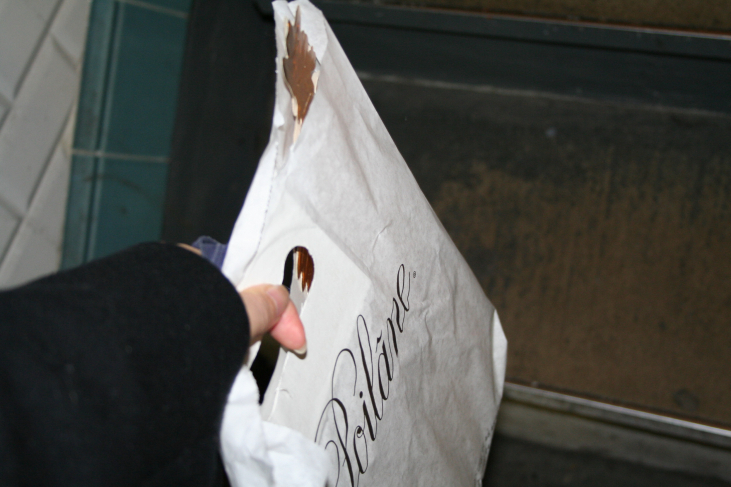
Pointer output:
x,y
117,372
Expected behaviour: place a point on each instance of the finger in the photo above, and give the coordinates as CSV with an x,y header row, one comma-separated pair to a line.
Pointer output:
x,y
289,331
190,248
264,306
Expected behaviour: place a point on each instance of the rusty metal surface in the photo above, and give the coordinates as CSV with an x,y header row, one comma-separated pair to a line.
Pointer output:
x,y
601,233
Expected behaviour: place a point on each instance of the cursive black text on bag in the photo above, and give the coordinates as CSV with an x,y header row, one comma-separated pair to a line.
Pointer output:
x,y
356,407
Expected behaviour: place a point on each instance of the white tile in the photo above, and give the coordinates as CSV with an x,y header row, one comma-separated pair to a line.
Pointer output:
x,y
22,24
8,223
48,211
30,256
42,8
69,27
36,249
34,124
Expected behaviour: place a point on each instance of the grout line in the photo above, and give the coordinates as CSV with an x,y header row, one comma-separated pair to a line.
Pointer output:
x,y
47,164
11,208
3,116
46,33
115,155
4,253
5,100
156,8
9,98
65,55
5,96
46,36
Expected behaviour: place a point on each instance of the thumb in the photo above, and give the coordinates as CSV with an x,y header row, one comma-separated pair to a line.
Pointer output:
x,y
270,310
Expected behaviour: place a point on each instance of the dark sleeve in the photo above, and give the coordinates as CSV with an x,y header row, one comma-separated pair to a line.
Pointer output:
x,y
117,372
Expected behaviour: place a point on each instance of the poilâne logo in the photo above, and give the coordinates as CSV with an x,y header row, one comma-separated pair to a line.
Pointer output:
x,y
350,432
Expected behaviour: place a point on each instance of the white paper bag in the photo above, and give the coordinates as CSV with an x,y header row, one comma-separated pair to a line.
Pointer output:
x,y
405,364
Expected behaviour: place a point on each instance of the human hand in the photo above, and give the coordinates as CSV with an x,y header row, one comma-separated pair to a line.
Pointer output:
x,y
271,311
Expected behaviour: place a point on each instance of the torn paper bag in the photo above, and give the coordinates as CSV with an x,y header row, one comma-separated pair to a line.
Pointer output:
x,y
404,369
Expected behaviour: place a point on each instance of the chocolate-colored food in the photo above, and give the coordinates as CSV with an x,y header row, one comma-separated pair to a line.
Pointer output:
x,y
305,267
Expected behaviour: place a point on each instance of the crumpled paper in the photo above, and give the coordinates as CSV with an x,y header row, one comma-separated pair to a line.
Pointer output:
x,y
404,370
262,454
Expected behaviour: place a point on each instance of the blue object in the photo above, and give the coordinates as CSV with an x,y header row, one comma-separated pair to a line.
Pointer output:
x,y
211,249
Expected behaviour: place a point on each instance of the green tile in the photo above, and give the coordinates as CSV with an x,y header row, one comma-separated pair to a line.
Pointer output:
x,y
179,5
78,208
99,37
129,205
127,105
147,59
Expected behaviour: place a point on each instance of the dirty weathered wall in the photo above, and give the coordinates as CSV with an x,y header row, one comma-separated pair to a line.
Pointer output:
x,y
601,233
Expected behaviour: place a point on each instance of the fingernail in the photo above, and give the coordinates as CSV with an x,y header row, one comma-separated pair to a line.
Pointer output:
x,y
280,296
302,350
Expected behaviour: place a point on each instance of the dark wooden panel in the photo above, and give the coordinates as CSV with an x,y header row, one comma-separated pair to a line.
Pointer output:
x,y
600,231
705,15
600,36
601,73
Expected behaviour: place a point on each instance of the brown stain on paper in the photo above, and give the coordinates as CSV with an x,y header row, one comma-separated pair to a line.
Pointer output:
x,y
299,66
305,267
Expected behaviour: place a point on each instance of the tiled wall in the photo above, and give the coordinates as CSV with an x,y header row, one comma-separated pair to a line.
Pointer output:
x,y
41,48
126,114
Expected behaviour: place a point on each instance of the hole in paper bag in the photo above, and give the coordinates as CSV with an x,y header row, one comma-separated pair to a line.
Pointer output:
x,y
299,268
299,272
